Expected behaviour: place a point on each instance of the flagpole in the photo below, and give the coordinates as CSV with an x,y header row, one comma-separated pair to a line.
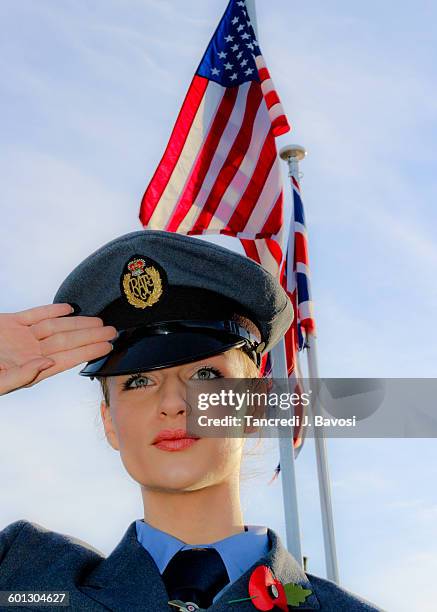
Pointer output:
x,y
286,450
293,154
287,462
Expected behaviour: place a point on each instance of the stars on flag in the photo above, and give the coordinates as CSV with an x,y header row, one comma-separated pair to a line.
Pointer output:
x,y
232,59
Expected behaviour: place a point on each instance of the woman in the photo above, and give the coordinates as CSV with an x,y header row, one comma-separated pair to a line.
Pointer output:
x,y
185,310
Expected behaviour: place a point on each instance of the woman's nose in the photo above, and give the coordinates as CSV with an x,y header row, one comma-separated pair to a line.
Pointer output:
x,y
172,400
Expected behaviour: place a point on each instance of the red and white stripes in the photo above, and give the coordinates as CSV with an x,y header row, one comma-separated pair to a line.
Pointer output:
x,y
220,172
277,115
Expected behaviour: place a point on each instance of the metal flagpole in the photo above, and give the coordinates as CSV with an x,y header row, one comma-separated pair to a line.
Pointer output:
x,y
287,462
286,450
292,154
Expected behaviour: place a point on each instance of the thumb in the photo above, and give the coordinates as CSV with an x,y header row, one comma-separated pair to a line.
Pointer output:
x,y
19,376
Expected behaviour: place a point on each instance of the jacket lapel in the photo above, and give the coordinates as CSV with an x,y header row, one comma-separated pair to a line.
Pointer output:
x,y
283,566
129,579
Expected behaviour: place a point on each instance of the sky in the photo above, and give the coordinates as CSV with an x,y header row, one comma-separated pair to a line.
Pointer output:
x,y
88,96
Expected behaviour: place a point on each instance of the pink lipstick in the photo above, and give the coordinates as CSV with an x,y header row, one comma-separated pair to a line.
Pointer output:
x,y
173,440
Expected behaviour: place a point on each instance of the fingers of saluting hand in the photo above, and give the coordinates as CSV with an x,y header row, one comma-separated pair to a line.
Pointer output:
x,y
70,340
65,360
39,313
18,376
48,327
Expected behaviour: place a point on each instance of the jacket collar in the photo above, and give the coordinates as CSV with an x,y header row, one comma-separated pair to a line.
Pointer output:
x,y
283,566
129,579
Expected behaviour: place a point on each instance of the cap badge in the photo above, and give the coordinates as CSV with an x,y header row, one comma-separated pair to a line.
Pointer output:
x,y
141,284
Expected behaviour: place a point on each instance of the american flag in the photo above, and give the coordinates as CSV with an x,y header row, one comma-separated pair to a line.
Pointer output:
x,y
268,252
220,171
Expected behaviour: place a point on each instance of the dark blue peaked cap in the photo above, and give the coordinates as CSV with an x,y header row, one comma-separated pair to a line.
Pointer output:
x,y
175,299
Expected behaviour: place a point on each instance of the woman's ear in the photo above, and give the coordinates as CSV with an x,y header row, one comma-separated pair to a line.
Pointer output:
x,y
110,433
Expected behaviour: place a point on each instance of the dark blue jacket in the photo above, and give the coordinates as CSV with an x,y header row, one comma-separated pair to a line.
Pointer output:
x,y
35,559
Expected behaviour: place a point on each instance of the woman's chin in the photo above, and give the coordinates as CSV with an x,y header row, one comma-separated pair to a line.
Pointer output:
x,y
188,470
172,475
178,481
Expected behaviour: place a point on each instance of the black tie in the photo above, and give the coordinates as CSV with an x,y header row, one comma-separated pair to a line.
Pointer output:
x,y
195,575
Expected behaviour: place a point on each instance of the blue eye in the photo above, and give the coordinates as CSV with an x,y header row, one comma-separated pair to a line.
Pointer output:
x,y
136,382
207,373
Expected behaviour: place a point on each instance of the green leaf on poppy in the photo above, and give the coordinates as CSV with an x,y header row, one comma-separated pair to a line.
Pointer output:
x,y
295,593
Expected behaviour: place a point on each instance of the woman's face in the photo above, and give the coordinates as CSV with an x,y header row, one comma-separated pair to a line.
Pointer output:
x,y
143,405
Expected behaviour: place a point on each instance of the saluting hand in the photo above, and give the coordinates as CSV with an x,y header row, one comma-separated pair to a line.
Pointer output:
x,y
40,342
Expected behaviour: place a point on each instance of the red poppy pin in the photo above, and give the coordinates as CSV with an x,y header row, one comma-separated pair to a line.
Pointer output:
x,y
267,592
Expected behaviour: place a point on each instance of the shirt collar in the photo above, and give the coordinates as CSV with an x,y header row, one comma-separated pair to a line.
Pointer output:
x,y
239,551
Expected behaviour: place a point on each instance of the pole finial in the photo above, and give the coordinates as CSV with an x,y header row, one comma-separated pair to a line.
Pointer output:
x,y
292,151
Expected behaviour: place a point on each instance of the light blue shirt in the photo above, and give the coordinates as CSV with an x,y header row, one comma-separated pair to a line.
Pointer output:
x,y
238,552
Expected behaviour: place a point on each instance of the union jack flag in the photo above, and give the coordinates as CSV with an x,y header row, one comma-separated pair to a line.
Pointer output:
x,y
295,278
220,172
299,286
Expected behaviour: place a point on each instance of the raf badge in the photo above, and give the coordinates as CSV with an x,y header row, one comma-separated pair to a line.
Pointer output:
x,y
142,282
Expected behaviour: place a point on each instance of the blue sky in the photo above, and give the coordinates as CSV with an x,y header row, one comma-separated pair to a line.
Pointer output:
x,y
88,97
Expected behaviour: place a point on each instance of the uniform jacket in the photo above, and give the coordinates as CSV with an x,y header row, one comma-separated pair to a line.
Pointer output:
x,y
35,559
